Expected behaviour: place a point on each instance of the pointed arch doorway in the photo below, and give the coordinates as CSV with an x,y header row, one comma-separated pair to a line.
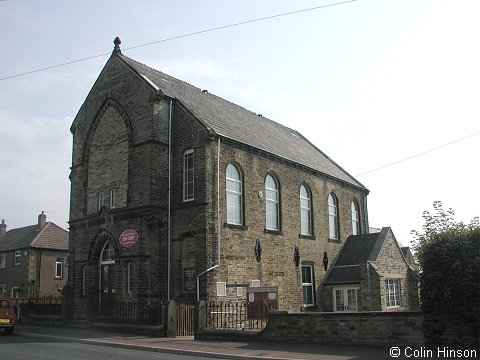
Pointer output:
x,y
107,280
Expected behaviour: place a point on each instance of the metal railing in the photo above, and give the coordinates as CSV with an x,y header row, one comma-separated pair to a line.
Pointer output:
x,y
132,312
237,316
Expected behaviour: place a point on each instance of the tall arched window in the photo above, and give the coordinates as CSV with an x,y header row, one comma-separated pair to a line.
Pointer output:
x,y
305,211
333,217
272,204
234,196
107,256
355,218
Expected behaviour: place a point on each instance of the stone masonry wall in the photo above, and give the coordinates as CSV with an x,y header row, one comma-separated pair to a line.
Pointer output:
x,y
277,268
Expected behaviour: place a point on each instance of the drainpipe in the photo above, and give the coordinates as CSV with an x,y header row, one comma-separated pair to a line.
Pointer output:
x,y
169,233
218,224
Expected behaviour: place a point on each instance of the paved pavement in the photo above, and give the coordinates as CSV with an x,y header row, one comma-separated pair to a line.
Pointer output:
x,y
210,349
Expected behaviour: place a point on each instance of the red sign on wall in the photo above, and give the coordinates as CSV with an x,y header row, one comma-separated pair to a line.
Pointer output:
x,y
128,238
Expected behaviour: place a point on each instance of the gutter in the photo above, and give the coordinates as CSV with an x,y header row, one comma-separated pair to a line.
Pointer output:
x,y
169,215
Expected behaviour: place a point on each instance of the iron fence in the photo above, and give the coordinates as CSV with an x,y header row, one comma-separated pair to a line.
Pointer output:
x,y
132,312
237,315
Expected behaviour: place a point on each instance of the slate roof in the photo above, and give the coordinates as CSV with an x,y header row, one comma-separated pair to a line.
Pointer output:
x,y
356,250
51,236
236,123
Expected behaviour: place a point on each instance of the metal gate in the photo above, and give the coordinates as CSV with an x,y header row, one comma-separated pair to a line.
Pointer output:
x,y
185,320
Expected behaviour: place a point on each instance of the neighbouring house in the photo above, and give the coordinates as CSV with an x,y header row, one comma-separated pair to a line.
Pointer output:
x,y
371,273
33,259
179,194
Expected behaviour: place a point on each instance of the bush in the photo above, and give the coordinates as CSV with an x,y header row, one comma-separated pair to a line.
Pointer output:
x,y
449,257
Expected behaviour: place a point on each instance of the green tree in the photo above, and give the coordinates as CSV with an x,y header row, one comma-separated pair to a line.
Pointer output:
x,y
449,256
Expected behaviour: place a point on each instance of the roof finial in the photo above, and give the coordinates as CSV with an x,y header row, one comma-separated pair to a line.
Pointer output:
x,y
117,43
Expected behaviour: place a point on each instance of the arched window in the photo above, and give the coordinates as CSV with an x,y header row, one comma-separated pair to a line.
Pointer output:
x,y
108,254
234,196
272,204
355,218
305,211
188,175
333,217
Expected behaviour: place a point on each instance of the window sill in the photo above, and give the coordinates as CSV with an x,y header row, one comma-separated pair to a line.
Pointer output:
x,y
274,232
308,237
338,241
235,226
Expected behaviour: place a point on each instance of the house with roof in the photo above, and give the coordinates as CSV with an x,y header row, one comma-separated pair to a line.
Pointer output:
x,y
179,194
33,259
371,273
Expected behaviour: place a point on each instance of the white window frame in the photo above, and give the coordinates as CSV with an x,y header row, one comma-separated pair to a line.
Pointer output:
x,y
309,285
3,260
188,175
272,205
333,227
355,218
255,283
58,261
234,214
393,293
113,198
18,255
305,211
221,289
347,307
15,291
100,200
110,252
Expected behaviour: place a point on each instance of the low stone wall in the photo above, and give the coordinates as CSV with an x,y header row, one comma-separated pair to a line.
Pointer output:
x,y
362,328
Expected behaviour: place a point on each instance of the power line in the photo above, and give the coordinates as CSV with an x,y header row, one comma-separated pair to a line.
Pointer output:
x,y
417,155
179,37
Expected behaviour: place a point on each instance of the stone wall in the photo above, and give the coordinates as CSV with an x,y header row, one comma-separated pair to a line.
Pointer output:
x,y
276,269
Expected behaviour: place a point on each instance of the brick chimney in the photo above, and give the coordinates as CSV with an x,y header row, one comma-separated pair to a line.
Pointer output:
x,y
42,220
3,228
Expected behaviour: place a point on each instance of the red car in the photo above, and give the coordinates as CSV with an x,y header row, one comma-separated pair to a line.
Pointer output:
x,y
8,319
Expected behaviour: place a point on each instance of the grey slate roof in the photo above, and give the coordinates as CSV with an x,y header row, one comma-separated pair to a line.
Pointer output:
x,y
356,250
236,123
51,236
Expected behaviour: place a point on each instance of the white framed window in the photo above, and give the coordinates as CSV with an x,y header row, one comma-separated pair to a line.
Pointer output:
x,y
333,216
108,254
305,211
221,288
355,218
255,283
3,261
392,292
100,200
272,204
307,285
188,175
15,291
234,196
113,198
129,277
59,268
240,291
345,299
18,255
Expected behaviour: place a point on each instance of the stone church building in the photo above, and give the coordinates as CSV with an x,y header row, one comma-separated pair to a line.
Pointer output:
x,y
179,194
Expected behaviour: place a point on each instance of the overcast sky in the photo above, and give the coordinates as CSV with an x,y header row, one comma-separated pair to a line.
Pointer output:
x,y
369,82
